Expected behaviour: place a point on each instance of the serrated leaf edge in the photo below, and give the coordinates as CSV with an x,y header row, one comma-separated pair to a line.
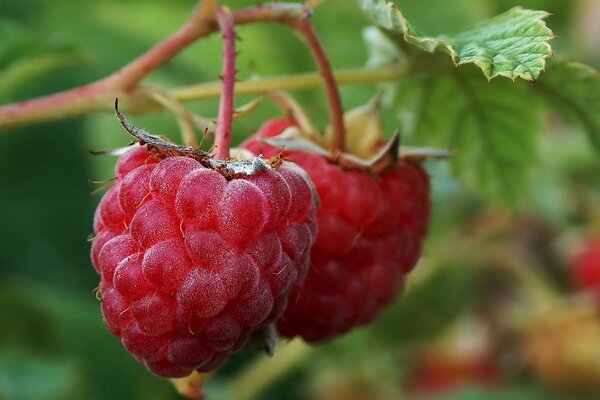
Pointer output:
x,y
395,20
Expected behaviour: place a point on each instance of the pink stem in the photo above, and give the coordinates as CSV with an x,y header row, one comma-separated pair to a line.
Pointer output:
x,y
225,117
336,110
100,95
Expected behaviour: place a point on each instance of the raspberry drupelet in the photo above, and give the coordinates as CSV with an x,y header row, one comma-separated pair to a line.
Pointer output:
x,y
371,230
192,263
585,268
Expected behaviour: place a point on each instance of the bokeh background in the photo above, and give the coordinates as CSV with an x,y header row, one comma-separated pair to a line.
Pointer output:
x,y
462,330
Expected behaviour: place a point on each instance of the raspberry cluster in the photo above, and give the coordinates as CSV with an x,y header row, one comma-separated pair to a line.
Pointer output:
x,y
371,229
191,263
585,268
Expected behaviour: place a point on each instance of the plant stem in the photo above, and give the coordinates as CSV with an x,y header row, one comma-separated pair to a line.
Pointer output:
x,y
67,104
101,93
310,80
184,117
253,380
225,116
336,110
125,83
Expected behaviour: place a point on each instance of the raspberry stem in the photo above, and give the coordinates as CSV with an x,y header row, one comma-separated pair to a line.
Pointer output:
x,y
225,116
252,381
71,103
101,94
336,111
125,83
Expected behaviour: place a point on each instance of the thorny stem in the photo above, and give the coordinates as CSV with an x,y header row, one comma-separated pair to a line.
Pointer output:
x,y
336,111
225,116
136,102
101,94
124,83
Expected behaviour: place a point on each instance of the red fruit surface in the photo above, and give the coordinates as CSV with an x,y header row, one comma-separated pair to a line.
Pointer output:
x,y
585,268
439,375
191,264
370,235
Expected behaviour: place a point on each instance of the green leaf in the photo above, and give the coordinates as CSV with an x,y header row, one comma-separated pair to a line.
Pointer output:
x,y
513,44
492,127
573,90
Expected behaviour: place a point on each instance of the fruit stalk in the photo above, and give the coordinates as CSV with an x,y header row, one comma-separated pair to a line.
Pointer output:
x,y
101,94
254,380
336,111
225,116
125,83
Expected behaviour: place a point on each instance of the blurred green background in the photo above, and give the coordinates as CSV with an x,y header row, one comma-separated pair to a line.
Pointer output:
x,y
53,344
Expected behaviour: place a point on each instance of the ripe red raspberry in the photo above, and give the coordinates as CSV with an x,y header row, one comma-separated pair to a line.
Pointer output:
x,y
585,268
370,233
440,373
192,263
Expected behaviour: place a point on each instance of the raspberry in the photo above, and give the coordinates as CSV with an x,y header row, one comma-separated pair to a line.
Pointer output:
x,y
370,233
436,376
464,356
191,263
585,269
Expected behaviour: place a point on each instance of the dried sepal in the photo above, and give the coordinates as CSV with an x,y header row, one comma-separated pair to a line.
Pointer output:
x,y
424,153
385,158
364,129
292,139
162,148
264,339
